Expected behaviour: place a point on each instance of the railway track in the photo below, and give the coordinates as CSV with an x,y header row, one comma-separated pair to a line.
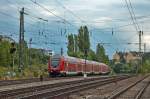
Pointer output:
x,y
101,92
146,92
58,89
30,80
20,81
132,91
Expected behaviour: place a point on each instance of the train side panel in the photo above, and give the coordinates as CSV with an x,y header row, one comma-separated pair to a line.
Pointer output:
x,y
75,66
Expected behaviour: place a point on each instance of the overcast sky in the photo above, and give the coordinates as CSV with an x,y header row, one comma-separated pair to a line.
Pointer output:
x,y
99,15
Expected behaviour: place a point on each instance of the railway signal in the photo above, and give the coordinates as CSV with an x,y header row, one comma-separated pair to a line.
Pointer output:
x,y
13,48
30,42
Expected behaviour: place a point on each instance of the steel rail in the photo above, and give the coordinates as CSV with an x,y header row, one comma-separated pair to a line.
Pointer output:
x,y
138,96
14,92
126,88
30,80
62,91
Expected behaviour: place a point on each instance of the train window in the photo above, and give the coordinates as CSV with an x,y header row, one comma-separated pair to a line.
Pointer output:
x,y
55,63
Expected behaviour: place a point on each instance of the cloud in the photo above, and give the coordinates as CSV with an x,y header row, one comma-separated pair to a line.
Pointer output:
x,y
146,39
99,15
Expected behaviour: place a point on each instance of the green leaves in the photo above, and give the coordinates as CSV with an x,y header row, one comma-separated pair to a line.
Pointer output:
x,y
7,53
70,44
100,54
84,40
5,57
78,44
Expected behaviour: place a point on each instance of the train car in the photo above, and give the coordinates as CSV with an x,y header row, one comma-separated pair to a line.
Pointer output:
x,y
65,65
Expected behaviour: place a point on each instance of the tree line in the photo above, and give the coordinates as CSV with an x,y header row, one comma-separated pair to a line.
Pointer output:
x,y
34,60
8,55
79,46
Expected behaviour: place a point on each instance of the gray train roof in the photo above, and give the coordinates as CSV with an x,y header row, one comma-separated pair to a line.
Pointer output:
x,y
74,60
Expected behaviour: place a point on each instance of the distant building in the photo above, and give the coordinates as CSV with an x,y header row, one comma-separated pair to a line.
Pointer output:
x,y
126,57
117,57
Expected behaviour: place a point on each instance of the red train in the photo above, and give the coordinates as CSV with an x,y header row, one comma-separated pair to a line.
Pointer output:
x,y
65,65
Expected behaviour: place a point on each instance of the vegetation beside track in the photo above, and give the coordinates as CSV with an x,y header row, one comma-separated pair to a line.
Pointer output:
x,y
32,68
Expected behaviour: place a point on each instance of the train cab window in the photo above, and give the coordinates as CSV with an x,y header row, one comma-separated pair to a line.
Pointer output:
x,y
55,61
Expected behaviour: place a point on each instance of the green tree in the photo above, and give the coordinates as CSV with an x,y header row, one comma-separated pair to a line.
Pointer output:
x,y
76,44
145,68
70,45
5,57
83,40
92,55
100,54
86,38
106,59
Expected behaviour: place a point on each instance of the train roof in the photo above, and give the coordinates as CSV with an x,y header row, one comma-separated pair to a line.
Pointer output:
x,y
74,59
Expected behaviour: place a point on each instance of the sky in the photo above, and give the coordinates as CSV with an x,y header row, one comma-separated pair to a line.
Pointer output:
x,y
101,16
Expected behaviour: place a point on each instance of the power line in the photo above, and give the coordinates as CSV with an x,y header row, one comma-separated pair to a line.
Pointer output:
x,y
46,9
134,23
16,18
69,11
134,15
16,7
118,27
39,18
9,15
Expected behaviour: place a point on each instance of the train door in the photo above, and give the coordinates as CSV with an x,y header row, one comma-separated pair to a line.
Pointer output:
x,y
66,66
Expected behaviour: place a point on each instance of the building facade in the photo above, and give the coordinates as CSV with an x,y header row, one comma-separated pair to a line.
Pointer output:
x,y
126,57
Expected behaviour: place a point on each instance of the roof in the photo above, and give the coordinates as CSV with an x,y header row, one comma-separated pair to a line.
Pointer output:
x,y
74,60
121,54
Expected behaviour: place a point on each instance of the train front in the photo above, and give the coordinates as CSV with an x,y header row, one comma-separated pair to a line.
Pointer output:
x,y
54,65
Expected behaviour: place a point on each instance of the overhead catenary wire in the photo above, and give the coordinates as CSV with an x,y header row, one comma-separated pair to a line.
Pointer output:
x,y
51,12
131,15
115,27
33,17
16,18
69,11
119,27
14,6
84,20
110,28
134,15
39,18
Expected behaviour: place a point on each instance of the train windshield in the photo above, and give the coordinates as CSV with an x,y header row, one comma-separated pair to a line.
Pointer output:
x,y
55,61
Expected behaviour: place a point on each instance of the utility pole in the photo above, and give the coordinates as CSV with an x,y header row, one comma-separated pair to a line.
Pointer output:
x,y
140,40
140,50
21,40
30,42
61,51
